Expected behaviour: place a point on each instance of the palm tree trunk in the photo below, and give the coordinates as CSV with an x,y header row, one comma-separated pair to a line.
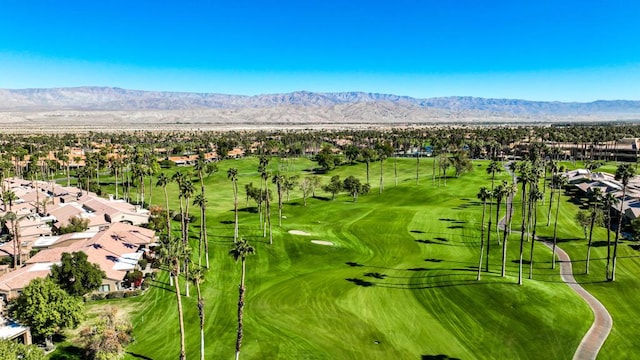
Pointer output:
x,y
241,291
201,314
417,166
180,316
608,242
507,225
555,234
381,183
235,207
549,210
533,239
523,230
593,221
395,168
615,244
484,206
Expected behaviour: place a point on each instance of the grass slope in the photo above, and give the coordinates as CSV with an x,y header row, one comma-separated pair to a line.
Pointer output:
x,y
399,282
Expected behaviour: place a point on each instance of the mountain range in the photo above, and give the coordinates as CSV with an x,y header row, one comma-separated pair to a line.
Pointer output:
x,y
297,107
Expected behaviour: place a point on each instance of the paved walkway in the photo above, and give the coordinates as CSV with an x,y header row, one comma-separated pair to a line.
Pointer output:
x,y
594,338
602,323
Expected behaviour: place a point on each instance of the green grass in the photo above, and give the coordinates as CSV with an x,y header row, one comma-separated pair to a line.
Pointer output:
x,y
399,282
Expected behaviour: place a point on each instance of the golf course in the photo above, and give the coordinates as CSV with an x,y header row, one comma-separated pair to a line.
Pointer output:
x,y
389,276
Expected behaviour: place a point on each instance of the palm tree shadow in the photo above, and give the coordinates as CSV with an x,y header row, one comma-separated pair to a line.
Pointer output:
x,y
360,282
139,356
437,357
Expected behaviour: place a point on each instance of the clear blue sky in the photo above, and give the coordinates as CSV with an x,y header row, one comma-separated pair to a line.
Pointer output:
x,y
538,50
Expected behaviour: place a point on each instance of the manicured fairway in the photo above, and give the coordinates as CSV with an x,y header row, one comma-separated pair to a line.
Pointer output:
x,y
399,283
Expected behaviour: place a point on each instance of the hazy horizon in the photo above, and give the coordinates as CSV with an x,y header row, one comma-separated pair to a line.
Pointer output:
x,y
542,51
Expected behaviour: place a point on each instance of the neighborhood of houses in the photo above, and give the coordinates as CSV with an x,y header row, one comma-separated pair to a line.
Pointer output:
x,y
112,239
586,182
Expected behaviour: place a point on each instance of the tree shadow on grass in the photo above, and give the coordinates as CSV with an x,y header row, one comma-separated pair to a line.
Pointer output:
x,y
360,282
417,231
227,222
437,357
433,260
376,275
353,264
139,356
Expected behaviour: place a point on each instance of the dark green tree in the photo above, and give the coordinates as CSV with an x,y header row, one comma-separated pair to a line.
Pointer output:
x,y
76,275
47,309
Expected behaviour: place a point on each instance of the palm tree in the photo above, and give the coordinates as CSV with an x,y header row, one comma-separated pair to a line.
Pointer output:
x,y
197,277
498,193
608,201
201,202
232,174
170,252
493,168
560,181
241,249
535,195
553,166
596,199
525,177
624,173
163,180
509,191
279,181
483,195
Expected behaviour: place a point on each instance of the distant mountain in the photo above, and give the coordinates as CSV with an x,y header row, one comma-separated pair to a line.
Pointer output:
x,y
116,99
104,106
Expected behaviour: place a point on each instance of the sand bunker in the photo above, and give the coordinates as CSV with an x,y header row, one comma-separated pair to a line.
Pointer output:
x,y
299,232
322,242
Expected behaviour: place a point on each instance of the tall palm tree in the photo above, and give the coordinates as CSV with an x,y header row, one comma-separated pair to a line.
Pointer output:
x,y
607,202
232,174
624,173
553,166
596,199
525,177
197,277
200,201
241,249
162,181
170,252
509,191
535,195
493,168
483,195
560,182
279,181
498,194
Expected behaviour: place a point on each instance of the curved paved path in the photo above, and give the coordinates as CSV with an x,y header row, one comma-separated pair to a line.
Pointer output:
x,y
594,338
602,323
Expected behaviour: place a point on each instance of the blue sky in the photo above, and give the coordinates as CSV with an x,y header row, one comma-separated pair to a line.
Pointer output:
x,y
538,50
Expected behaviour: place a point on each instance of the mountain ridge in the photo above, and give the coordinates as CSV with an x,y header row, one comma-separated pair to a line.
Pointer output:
x,y
114,99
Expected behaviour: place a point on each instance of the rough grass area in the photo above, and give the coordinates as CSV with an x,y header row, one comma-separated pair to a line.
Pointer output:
x,y
398,284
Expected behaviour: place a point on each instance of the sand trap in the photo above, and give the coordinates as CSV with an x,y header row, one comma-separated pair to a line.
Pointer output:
x,y
322,242
299,232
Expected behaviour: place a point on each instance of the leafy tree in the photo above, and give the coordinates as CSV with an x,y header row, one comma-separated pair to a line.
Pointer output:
x,y
10,349
354,187
76,224
46,308
334,186
76,275
306,187
241,249
108,337
326,159
461,162
352,152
